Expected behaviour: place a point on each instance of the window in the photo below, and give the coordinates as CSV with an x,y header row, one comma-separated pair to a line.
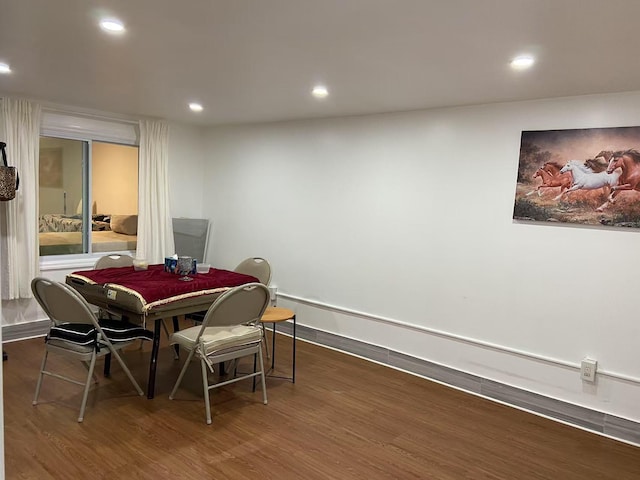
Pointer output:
x,y
88,196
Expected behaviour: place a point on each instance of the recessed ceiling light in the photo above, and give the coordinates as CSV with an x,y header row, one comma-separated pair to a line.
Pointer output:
x,y
522,62
320,91
196,107
5,68
112,25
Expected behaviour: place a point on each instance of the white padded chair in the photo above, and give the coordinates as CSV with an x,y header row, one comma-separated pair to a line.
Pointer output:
x,y
261,269
230,330
256,267
114,260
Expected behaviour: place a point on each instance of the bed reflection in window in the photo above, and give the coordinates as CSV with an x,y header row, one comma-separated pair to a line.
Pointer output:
x,y
62,234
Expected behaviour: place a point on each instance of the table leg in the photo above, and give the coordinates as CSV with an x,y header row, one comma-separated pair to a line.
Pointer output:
x,y
176,328
151,383
107,365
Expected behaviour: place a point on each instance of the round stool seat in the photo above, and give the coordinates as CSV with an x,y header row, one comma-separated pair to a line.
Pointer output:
x,y
276,314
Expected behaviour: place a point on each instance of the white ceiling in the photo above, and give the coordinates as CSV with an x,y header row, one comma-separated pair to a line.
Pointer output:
x,y
256,60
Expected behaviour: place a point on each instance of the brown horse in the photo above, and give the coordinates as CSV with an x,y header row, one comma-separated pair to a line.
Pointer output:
x,y
551,178
553,168
606,154
595,165
629,162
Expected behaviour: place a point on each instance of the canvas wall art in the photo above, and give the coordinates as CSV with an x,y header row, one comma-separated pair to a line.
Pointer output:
x,y
581,176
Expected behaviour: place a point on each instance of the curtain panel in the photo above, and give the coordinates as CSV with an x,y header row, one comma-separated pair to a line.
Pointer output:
x,y
155,231
20,121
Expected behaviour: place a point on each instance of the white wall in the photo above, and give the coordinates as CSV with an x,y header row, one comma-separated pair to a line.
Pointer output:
x,y
186,157
407,218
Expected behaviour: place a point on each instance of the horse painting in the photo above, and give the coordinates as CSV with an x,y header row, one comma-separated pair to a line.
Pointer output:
x,y
591,177
629,162
551,178
585,179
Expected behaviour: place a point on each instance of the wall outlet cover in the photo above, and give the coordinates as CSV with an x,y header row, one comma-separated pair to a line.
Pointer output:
x,y
588,370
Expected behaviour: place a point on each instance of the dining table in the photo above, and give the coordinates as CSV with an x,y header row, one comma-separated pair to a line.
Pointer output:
x,y
152,295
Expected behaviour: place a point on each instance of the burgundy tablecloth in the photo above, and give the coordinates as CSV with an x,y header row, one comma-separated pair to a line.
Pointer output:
x,y
155,286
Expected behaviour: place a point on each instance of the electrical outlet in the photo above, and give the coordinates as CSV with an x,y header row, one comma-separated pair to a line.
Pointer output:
x,y
588,370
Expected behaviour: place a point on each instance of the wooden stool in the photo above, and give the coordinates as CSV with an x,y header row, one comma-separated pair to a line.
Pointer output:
x,y
275,315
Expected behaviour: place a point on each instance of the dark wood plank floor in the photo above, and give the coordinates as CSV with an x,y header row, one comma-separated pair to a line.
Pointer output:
x,y
345,418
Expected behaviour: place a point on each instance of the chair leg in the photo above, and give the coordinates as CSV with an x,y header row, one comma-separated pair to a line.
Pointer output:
x,y
255,361
264,383
95,377
86,387
39,384
176,348
205,386
126,370
233,367
165,329
182,372
264,339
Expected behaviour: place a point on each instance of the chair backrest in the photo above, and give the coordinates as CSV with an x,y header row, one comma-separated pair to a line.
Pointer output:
x,y
114,260
240,305
61,302
256,267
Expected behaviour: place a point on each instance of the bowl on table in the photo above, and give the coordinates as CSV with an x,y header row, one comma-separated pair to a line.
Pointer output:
x,y
203,267
140,264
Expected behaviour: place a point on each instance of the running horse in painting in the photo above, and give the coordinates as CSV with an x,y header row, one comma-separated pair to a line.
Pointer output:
x,y
629,162
551,178
605,154
596,165
585,179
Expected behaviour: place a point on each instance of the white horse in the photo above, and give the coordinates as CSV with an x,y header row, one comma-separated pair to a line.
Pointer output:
x,y
585,179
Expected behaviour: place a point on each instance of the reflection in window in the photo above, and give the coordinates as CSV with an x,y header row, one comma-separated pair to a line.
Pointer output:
x,y
87,203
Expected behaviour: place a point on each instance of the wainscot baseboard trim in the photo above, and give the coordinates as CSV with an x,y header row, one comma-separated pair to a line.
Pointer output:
x,y
618,428
23,331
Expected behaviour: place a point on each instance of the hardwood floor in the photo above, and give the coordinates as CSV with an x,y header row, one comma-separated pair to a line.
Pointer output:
x,y
345,418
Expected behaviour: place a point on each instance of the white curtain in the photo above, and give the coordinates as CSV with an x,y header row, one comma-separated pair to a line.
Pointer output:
x,y
20,257
155,231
